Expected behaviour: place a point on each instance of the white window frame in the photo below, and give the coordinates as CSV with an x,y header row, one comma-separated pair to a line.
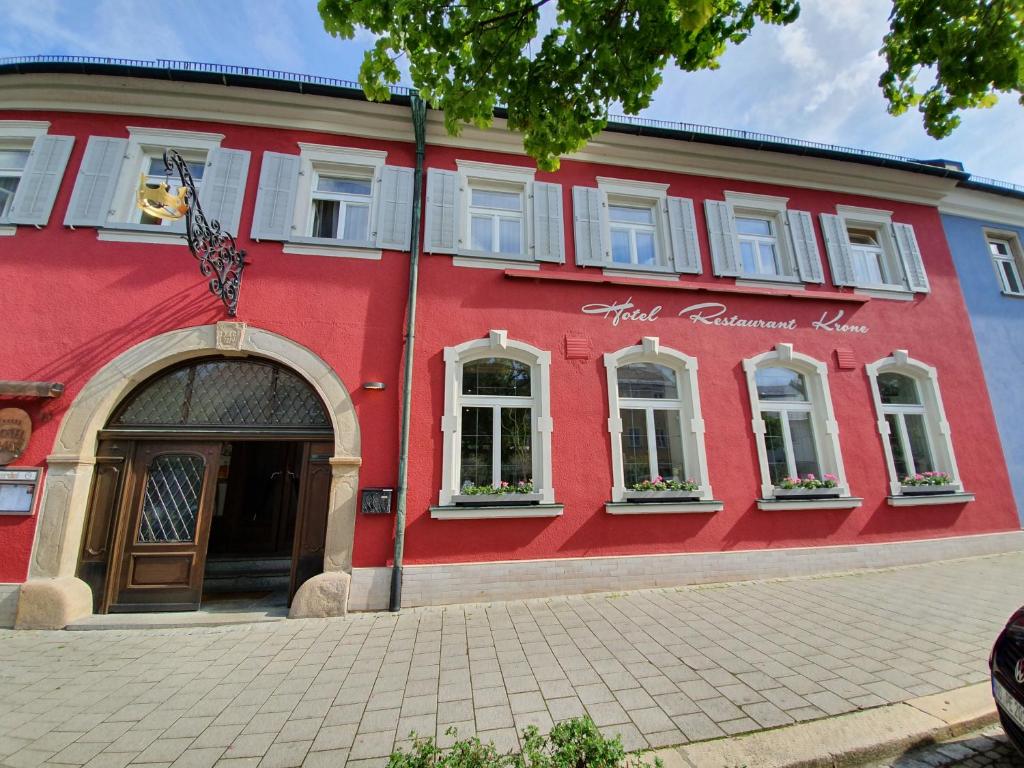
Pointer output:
x,y
878,222
349,162
475,174
936,425
145,144
637,194
496,344
823,420
774,209
687,405
19,135
1015,259
496,215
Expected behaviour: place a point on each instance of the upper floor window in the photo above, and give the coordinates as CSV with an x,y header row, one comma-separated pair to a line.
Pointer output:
x,y
12,166
106,188
334,201
497,421
759,248
866,249
634,225
32,165
756,237
340,207
496,219
489,215
654,421
1006,256
794,425
911,419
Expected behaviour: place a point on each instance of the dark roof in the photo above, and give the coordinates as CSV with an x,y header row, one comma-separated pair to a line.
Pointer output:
x,y
270,79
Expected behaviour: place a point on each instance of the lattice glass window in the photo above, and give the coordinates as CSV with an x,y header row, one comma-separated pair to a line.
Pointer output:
x,y
789,437
1004,259
634,234
170,504
651,411
224,393
496,219
758,246
341,207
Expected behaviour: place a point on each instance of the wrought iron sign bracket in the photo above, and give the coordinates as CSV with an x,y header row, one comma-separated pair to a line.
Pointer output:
x,y
216,251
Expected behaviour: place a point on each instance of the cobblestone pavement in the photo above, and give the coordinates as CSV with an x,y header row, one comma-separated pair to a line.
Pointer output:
x,y
659,667
988,748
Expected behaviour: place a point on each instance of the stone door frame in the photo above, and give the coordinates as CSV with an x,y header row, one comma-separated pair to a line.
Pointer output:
x,y
53,596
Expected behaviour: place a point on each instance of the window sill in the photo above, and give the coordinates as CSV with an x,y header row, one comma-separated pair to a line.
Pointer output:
x,y
6,230
481,262
963,497
843,502
1007,294
496,512
893,294
336,251
136,234
789,283
652,273
699,506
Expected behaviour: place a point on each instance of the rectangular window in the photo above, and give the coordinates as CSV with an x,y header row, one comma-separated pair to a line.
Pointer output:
x,y
867,258
789,444
340,208
156,173
758,246
1006,265
496,220
634,236
496,436
652,444
477,446
12,165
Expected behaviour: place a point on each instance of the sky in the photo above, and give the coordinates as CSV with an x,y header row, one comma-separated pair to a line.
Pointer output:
x,y
815,79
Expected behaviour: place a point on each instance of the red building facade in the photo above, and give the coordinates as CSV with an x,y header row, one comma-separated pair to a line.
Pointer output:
x,y
662,305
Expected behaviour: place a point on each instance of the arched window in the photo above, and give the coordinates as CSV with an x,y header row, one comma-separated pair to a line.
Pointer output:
x,y
497,422
793,421
911,419
654,418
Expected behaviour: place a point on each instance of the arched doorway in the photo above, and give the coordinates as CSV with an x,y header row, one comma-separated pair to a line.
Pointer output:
x,y
53,596
211,486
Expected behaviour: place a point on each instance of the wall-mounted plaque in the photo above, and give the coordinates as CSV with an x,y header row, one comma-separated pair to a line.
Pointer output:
x,y
15,431
18,490
377,501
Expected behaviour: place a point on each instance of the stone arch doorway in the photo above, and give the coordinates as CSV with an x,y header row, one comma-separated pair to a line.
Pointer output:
x,y
54,595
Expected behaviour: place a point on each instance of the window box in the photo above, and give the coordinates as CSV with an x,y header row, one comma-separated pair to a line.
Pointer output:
x,y
806,493
927,490
654,497
495,499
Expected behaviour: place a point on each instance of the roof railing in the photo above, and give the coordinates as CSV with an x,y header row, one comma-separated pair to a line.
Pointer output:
x,y
618,120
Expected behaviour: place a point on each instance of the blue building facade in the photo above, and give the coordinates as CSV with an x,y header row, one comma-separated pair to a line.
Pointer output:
x,y
985,231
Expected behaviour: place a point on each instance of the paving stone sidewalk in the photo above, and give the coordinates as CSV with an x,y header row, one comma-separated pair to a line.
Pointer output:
x,y
658,667
987,748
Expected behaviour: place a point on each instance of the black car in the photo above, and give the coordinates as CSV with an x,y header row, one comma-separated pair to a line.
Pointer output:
x,y
1007,665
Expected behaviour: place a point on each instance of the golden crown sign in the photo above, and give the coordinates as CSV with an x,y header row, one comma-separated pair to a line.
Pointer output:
x,y
158,200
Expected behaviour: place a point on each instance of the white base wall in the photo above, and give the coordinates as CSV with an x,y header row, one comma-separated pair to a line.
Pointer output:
x,y
517,579
8,604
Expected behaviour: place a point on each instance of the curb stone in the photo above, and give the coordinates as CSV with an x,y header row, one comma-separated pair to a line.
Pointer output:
x,y
850,739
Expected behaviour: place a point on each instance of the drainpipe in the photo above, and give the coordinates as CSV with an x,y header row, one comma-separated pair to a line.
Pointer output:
x,y
419,125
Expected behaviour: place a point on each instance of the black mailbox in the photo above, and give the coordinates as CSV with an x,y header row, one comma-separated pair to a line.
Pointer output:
x,y
377,501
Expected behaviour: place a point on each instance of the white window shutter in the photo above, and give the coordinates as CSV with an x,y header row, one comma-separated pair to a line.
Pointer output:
x,y
805,246
442,211
588,226
683,233
837,244
223,187
548,231
913,264
40,180
394,208
725,252
275,197
95,183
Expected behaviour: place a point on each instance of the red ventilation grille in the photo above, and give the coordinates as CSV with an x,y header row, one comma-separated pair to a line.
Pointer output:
x,y
577,348
845,361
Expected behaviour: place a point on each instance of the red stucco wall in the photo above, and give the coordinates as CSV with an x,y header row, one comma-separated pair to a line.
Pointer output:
x,y
72,303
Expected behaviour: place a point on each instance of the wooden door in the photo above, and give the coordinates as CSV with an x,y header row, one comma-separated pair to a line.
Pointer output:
x,y
311,519
113,458
165,529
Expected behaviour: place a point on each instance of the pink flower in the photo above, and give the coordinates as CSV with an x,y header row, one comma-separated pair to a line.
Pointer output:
x,y
810,477
919,476
829,476
504,484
